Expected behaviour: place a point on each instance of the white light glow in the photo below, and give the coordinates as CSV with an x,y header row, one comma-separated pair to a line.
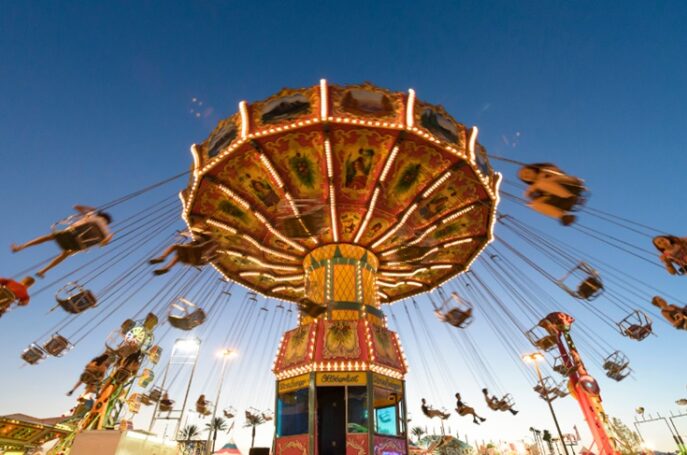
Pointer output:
x,y
410,109
324,99
245,121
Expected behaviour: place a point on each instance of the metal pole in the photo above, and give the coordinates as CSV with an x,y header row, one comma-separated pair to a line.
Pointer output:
x,y
548,401
208,449
188,389
677,433
162,389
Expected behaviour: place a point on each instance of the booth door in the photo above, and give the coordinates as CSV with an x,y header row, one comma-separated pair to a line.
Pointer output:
x,y
331,420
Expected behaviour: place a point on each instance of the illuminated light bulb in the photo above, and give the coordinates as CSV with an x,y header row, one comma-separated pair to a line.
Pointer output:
x,y
389,162
410,108
471,143
243,109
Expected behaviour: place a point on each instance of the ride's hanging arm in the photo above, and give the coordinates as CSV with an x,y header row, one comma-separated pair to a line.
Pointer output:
x,y
584,387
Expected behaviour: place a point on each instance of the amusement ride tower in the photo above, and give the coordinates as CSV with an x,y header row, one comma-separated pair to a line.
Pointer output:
x,y
341,199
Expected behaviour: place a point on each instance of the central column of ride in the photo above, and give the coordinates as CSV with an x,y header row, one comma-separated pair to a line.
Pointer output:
x,y
340,386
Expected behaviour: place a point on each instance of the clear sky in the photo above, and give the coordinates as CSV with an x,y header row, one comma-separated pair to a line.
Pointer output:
x,y
96,101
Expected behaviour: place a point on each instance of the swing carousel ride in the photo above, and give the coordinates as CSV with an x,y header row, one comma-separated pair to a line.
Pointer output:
x,y
339,202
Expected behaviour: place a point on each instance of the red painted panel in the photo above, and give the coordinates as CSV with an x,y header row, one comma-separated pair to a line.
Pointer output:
x,y
356,444
292,445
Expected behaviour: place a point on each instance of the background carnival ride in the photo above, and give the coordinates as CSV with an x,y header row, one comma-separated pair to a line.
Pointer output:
x,y
398,176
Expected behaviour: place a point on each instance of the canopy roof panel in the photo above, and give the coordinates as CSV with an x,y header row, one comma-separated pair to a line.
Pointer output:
x,y
342,164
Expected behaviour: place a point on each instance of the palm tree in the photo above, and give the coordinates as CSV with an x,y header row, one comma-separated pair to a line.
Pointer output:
x,y
418,432
253,420
187,438
217,424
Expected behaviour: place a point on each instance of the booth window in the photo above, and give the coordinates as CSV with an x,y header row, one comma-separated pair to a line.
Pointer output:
x,y
389,413
292,413
357,409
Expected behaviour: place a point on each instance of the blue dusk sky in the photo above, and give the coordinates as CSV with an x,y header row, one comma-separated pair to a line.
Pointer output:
x,y
97,101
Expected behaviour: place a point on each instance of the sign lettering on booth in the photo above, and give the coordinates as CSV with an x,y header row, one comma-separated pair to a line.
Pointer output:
x,y
341,378
295,383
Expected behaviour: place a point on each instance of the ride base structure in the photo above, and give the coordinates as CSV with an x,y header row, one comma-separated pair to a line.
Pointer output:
x,y
340,376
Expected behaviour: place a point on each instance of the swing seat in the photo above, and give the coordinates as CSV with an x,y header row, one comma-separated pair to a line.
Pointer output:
x,y
79,302
618,375
7,297
229,413
134,403
189,321
155,394
57,345
166,405
80,237
459,318
202,409
543,392
638,332
145,400
546,343
560,367
590,288
197,253
311,308
33,354
123,375
636,325
154,354
617,366
146,378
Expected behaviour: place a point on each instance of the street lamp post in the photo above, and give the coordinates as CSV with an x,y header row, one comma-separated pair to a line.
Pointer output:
x,y
535,358
225,354
185,346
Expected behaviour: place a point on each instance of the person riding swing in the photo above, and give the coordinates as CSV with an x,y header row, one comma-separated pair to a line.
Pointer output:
x,y
462,409
430,412
14,292
498,404
196,253
91,228
552,192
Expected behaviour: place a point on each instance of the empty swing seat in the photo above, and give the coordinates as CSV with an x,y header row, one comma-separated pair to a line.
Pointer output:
x,y
57,345
80,237
617,366
154,354
636,325
590,285
188,321
541,338
145,400
33,354
458,318
590,288
77,302
146,378
155,394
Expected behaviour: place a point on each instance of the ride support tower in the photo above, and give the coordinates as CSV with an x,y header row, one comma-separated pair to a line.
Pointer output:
x,y
583,387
